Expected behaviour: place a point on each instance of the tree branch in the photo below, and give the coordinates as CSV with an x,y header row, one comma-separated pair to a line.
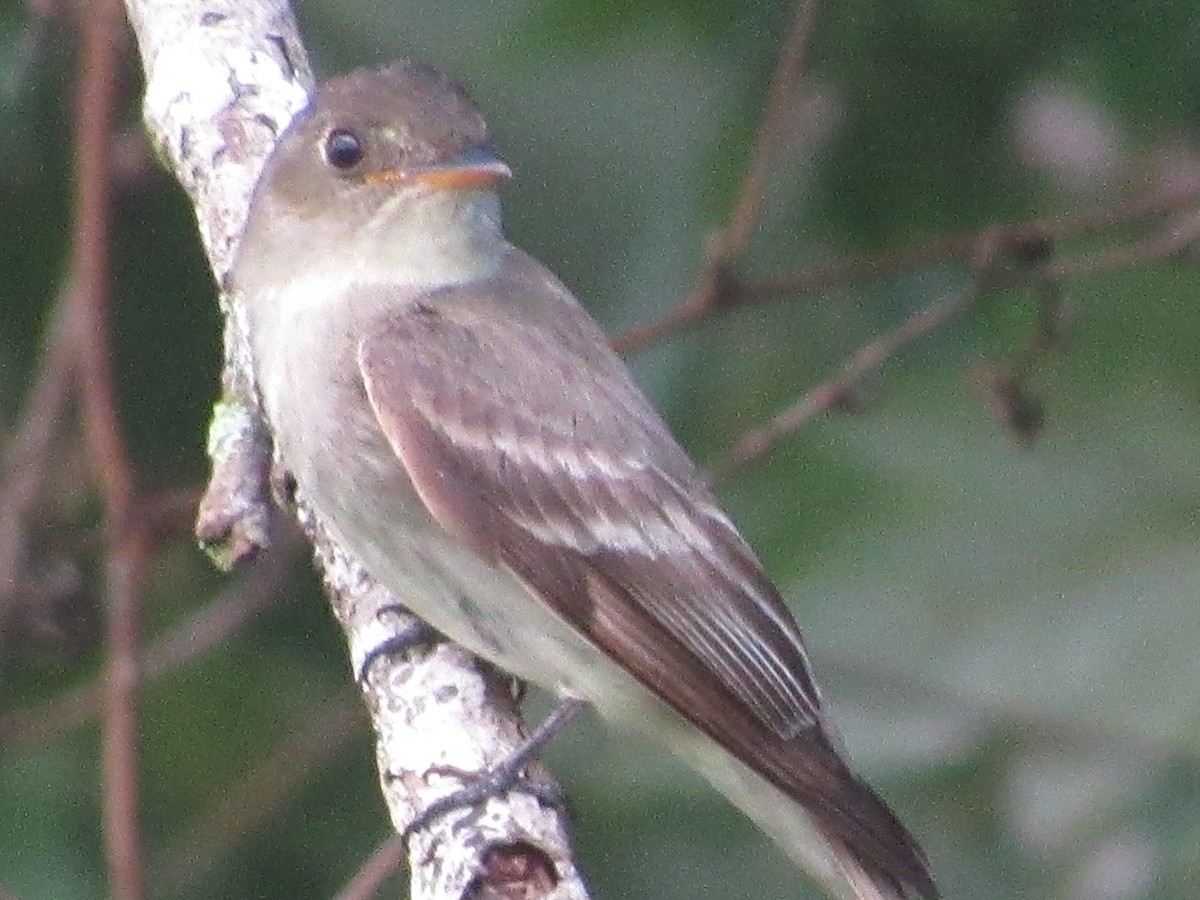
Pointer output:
x,y
224,78
717,278
737,291
95,107
784,84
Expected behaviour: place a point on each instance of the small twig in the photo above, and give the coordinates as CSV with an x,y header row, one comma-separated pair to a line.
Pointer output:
x,y
952,248
382,864
318,736
734,236
837,390
717,283
95,109
27,455
101,38
1025,240
208,628
1006,387
1170,242
960,247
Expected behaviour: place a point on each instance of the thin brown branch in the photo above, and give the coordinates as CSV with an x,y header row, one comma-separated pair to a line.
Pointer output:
x,y
949,249
210,627
1005,388
837,391
784,82
28,452
382,864
717,284
100,27
1171,241
319,735
122,585
961,247
95,109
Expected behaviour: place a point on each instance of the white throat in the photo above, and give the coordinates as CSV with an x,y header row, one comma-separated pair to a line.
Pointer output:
x,y
430,239
302,301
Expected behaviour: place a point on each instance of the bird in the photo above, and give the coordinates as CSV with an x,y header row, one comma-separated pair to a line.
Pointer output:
x,y
461,424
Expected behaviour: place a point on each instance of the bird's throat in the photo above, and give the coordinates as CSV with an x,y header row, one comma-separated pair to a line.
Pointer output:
x,y
433,240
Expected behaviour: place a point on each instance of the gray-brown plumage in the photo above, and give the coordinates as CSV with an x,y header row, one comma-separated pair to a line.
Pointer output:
x,y
461,424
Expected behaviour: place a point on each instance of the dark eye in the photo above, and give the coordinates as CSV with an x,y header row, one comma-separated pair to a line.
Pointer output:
x,y
343,149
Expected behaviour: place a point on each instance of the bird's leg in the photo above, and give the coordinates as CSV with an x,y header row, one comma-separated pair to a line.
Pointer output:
x,y
507,775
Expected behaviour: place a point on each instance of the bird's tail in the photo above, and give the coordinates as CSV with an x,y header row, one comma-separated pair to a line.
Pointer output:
x,y
848,839
856,884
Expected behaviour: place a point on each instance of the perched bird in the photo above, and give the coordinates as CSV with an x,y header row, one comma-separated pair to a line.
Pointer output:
x,y
460,423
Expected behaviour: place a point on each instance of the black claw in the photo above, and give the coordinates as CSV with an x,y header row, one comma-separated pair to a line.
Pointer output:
x,y
498,781
508,775
411,635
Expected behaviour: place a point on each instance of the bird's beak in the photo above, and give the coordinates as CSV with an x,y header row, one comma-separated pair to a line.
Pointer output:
x,y
469,170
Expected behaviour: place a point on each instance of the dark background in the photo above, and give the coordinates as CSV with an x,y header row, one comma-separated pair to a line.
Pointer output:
x,y
1005,629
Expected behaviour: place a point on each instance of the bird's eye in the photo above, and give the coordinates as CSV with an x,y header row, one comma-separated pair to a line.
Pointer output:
x,y
343,149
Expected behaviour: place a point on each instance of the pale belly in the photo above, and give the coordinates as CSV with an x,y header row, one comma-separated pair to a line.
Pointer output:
x,y
327,437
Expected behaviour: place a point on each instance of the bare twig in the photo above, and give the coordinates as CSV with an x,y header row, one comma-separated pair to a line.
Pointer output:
x,y
382,864
1026,241
733,237
961,247
717,283
28,453
1176,237
101,33
1006,387
837,390
953,248
95,108
209,628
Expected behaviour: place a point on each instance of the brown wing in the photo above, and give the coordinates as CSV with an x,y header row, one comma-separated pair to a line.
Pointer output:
x,y
525,437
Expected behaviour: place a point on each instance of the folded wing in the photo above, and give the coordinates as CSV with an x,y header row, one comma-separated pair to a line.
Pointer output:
x,y
525,438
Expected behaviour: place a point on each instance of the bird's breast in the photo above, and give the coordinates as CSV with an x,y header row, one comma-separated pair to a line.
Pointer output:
x,y
327,437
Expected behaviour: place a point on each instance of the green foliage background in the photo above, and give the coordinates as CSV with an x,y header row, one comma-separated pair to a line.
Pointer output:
x,y
1007,634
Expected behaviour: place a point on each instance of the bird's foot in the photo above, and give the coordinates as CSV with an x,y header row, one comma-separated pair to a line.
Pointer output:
x,y
413,634
507,776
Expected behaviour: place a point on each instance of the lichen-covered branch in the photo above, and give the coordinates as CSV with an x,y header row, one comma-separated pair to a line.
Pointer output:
x,y
224,79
